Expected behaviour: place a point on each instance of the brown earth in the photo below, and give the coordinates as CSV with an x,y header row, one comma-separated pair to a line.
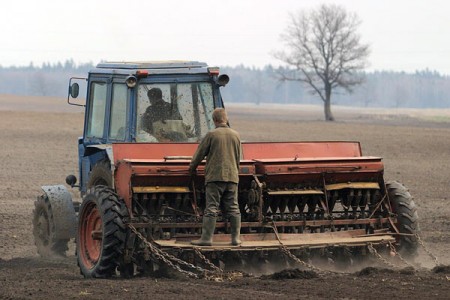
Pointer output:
x,y
38,147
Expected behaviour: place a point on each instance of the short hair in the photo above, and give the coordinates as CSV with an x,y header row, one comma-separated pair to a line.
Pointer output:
x,y
154,93
219,115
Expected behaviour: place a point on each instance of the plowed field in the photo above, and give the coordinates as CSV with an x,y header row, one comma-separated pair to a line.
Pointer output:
x,y
38,146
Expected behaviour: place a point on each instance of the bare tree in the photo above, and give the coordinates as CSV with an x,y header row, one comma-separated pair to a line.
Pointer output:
x,y
325,50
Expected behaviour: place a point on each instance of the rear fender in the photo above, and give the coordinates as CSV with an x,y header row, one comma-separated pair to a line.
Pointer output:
x,y
63,211
92,155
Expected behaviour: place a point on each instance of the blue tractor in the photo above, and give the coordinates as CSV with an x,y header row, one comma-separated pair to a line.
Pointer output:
x,y
141,208
126,102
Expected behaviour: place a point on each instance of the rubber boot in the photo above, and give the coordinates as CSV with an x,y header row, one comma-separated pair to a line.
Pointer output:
x,y
209,224
235,230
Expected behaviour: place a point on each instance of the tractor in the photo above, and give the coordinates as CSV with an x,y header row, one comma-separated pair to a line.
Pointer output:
x,y
140,207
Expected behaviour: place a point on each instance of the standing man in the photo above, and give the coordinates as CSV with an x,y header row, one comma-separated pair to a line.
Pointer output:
x,y
222,148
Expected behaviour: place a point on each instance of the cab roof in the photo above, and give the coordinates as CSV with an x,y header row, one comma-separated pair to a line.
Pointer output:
x,y
153,67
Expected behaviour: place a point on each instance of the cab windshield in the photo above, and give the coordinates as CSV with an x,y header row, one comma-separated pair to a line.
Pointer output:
x,y
174,112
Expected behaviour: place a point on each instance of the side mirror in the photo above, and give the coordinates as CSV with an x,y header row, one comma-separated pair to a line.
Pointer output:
x,y
74,90
223,80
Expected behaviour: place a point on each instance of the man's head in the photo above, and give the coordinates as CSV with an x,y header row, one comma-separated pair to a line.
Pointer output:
x,y
219,116
154,95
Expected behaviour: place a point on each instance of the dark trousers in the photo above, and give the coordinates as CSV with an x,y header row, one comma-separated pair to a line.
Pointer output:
x,y
218,191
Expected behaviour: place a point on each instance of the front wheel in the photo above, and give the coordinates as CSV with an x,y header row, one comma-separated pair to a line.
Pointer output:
x,y
101,233
44,230
407,218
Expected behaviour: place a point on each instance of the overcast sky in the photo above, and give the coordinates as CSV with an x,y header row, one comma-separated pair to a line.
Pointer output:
x,y
405,35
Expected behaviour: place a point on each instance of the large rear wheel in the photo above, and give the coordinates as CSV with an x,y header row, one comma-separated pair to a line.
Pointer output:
x,y
44,231
407,218
101,233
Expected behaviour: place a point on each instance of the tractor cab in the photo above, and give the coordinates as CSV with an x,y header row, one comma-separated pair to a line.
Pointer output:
x,y
143,102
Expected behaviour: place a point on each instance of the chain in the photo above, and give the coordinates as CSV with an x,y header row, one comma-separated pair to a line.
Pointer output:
x,y
207,261
378,255
215,274
288,253
391,246
165,257
436,261
218,274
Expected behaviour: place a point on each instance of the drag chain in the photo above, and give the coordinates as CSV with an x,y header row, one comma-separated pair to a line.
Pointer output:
x,y
216,274
378,255
397,254
288,253
207,261
391,246
166,257
436,261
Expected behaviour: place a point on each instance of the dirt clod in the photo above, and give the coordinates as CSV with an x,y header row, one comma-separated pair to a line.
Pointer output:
x,y
292,274
441,269
373,271
407,271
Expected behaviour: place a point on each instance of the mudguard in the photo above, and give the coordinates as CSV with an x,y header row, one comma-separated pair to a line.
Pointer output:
x,y
64,217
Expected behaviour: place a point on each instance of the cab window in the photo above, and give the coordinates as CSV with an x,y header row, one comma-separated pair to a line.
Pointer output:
x,y
97,108
174,112
117,124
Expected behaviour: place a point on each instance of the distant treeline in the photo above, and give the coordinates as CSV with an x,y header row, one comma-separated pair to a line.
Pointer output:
x,y
422,89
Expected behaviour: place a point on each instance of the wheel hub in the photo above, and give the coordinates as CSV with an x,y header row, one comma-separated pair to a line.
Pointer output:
x,y
91,236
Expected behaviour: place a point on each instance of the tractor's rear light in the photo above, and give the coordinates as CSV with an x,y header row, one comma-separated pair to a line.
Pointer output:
x,y
141,73
213,71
